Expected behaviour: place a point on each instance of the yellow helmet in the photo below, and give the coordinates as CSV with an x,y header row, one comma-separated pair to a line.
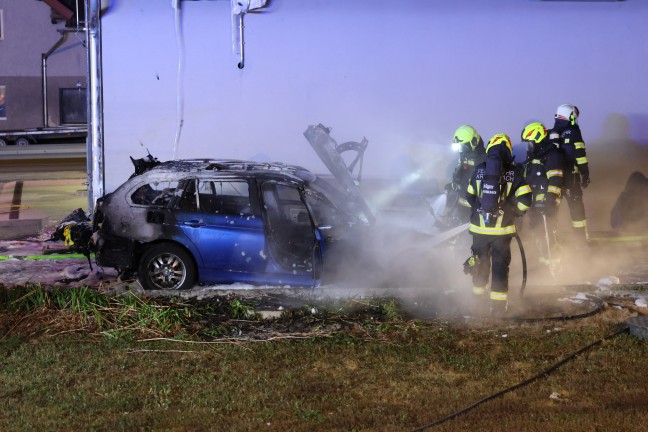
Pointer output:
x,y
500,138
535,132
466,137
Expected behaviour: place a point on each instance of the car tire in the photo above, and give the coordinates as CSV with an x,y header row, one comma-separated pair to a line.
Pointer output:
x,y
3,142
166,266
22,141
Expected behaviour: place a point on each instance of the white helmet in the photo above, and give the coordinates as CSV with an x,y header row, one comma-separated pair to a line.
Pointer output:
x,y
567,112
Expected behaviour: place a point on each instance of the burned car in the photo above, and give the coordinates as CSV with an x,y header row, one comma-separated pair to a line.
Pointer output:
x,y
178,223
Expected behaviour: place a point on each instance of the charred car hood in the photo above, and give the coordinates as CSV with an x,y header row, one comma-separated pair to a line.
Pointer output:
x,y
330,153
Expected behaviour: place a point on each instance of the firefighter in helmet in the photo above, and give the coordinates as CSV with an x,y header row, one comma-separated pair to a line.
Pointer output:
x,y
499,155
471,153
544,173
493,228
576,169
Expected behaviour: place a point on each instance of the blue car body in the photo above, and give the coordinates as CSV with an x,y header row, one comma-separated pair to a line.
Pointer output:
x,y
225,221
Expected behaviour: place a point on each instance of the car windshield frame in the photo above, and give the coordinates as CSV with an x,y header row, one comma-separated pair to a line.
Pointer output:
x,y
338,199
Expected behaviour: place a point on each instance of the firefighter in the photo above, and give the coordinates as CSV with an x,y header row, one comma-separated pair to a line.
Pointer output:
x,y
492,229
576,169
544,173
630,211
471,153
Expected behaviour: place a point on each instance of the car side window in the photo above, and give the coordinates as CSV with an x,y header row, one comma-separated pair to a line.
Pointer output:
x,y
324,212
292,205
155,193
228,197
187,201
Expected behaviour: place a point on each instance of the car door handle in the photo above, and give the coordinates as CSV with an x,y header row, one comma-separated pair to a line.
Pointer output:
x,y
194,223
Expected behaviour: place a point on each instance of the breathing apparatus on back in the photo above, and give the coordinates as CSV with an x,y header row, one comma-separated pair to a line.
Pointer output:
x,y
499,156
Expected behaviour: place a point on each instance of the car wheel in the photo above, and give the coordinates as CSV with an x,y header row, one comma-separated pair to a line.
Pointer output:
x,y
22,141
3,142
166,266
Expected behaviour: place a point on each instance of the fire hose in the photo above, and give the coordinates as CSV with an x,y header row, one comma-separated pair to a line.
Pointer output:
x,y
537,376
524,263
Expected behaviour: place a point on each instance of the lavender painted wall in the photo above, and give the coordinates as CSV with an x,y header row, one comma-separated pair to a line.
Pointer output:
x,y
403,74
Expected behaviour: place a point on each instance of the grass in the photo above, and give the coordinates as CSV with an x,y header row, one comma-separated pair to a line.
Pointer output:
x,y
76,360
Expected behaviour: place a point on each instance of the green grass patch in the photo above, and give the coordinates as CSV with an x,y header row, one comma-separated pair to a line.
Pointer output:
x,y
76,360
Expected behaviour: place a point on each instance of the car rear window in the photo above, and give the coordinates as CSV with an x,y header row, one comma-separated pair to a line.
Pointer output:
x,y
155,194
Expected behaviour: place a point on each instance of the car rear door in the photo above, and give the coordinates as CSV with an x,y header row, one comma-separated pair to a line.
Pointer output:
x,y
218,218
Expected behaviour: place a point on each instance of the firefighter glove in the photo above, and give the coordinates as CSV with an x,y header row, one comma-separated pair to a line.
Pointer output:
x,y
517,212
512,208
585,181
470,265
450,187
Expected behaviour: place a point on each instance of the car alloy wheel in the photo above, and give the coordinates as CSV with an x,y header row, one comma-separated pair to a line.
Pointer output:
x,y
166,266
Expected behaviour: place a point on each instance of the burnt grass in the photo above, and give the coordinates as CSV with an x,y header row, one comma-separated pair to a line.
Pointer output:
x,y
77,360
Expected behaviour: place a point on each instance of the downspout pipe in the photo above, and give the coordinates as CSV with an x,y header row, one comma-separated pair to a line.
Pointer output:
x,y
44,58
95,140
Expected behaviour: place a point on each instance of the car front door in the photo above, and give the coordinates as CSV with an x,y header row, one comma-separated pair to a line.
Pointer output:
x,y
293,240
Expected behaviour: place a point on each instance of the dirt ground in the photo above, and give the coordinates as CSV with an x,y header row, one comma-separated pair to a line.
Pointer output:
x,y
607,270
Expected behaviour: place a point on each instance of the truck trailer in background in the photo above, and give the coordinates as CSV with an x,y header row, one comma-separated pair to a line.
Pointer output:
x,y
44,135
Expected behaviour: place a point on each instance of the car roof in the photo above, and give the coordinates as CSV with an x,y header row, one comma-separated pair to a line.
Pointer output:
x,y
229,167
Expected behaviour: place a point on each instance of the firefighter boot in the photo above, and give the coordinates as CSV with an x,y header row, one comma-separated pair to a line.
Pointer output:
x,y
498,308
479,301
498,303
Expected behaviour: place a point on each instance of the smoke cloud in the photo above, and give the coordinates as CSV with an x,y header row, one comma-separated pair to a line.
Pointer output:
x,y
400,258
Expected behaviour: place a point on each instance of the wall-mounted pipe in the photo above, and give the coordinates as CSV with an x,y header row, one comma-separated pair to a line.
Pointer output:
x,y
241,43
95,140
240,8
180,77
44,58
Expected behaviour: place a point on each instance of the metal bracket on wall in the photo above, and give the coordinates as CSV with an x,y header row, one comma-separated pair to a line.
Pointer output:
x,y
239,9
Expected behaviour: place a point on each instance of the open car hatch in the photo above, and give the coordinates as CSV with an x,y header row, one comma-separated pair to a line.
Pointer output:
x,y
330,153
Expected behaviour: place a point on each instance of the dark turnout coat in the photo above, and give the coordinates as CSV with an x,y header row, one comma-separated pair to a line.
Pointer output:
x,y
514,198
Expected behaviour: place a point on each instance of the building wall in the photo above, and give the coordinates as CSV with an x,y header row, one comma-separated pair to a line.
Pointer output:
x,y
403,74
29,33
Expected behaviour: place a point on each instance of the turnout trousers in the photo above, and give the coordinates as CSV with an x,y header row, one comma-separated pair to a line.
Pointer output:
x,y
574,197
494,253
